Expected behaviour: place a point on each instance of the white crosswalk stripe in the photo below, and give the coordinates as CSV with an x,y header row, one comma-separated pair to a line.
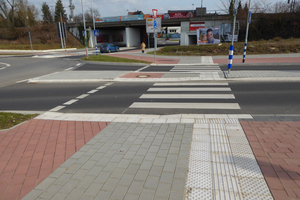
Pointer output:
x,y
196,68
187,96
214,95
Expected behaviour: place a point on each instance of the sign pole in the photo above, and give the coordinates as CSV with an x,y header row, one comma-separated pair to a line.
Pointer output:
x,y
30,40
154,26
148,40
247,30
155,45
232,39
59,26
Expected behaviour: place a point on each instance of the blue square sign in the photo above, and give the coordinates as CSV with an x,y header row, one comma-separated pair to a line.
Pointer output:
x,y
96,32
154,24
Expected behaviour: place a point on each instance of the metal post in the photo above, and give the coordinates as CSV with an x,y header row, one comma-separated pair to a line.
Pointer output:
x,y
30,40
85,35
148,40
94,30
247,30
61,41
155,45
62,31
231,46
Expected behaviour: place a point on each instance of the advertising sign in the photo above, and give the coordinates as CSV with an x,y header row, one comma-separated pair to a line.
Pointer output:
x,y
150,25
208,36
196,25
226,32
178,15
119,18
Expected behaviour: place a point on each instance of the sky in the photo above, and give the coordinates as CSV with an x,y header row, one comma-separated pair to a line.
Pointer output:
x,y
109,8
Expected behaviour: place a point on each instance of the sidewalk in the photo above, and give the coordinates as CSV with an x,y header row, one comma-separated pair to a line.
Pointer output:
x,y
105,156
185,156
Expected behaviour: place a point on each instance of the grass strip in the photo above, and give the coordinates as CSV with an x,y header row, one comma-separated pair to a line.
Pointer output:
x,y
8,120
102,58
276,46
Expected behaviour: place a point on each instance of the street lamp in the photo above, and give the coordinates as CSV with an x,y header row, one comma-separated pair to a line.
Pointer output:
x,y
85,33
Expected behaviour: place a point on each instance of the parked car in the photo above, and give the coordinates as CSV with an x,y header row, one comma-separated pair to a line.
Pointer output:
x,y
107,48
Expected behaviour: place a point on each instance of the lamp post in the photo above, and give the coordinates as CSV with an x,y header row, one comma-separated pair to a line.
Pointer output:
x,y
85,33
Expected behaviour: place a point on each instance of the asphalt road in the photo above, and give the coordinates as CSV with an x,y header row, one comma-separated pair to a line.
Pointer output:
x,y
253,98
24,67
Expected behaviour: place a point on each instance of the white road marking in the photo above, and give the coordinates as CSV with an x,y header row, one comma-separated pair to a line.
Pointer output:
x,y
183,89
71,102
22,81
7,65
170,105
78,64
69,69
82,96
107,84
57,108
143,68
101,87
92,91
187,96
189,83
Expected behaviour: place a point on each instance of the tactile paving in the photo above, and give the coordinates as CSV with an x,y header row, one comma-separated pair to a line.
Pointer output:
x,y
197,166
222,157
238,140
219,139
220,147
223,169
201,181
222,164
200,146
231,121
241,149
196,193
220,127
200,155
256,187
201,138
221,194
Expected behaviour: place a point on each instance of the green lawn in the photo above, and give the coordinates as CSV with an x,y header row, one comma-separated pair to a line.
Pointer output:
x,y
102,58
8,120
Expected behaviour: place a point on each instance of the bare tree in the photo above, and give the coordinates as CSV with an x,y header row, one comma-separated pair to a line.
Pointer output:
x,y
89,14
6,12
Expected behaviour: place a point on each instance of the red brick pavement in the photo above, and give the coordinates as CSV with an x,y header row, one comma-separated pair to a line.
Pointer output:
x,y
32,151
276,146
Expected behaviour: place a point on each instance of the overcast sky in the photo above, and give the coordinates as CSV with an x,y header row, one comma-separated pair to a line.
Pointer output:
x,y
119,7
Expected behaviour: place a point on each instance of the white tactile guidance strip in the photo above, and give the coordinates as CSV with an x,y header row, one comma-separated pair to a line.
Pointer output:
x,y
221,163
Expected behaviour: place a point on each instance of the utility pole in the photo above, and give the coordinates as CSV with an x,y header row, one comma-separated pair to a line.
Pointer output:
x,y
85,33
94,28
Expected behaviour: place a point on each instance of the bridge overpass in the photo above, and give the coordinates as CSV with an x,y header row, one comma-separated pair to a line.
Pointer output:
x,y
133,33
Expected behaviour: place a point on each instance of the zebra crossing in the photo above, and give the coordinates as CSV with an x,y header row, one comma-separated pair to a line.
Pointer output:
x,y
188,95
195,68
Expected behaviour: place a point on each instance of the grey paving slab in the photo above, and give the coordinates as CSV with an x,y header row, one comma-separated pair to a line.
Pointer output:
x,y
113,169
